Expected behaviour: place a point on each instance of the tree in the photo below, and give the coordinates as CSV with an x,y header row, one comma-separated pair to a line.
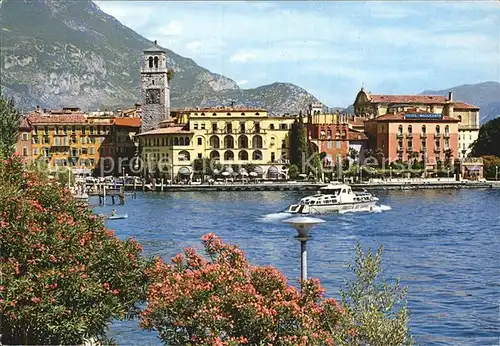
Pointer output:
x,y
298,144
353,154
170,74
488,141
375,306
491,166
448,154
293,172
65,277
10,120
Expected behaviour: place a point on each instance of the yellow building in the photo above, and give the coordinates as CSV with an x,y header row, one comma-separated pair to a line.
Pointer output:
x,y
67,140
230,136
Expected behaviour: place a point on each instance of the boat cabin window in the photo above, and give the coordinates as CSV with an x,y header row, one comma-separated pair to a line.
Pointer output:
x,y
330,191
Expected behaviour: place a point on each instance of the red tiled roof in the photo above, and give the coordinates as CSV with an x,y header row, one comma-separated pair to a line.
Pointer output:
x,y
463,105
354,135
75,118
419,99
166,131
401,117
132,122
218,110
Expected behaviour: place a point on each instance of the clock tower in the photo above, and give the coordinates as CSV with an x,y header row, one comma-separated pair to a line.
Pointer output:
x,y
155,90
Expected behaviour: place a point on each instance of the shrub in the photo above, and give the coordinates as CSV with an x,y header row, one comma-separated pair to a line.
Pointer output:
x,y
226,301
64,275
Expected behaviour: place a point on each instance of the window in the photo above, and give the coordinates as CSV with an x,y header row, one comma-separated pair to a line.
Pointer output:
x,y
329,134
257,127
243,155
91,151
228,142
437,129
214,127
446,143
242,127
337,144
25,151
187,141
424,129
273,157
400,129
329,144
229,127
25,136
447,129
257,155
200,141
195,126
199,156
203,126
84,151
410,129
271,127
283,126
228,155
243,141
214,155
214,142
410,144
257,142
35,151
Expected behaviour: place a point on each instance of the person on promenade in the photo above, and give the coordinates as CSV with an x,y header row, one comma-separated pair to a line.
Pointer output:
x,y
113,212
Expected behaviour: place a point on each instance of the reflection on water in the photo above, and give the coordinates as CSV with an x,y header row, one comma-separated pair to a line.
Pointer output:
x,y
443,244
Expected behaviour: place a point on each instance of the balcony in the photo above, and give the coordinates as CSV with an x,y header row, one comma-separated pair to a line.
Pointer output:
x,y
437,135
400,149
59,145
437,149
399,135
423,135
446,135
410,150
409,135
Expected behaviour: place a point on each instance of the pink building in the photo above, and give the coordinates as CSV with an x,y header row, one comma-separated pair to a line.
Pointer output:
x,y
414,135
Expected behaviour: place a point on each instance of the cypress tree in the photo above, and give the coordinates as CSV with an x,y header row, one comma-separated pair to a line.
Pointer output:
x,y
10,120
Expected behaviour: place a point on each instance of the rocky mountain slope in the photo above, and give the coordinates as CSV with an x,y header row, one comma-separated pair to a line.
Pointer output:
x,y
484,95
57,53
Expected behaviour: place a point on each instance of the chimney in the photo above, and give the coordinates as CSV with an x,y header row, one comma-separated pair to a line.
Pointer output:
x,y
450,96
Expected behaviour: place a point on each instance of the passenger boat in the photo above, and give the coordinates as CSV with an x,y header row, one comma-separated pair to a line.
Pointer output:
x,y
334,198
114,217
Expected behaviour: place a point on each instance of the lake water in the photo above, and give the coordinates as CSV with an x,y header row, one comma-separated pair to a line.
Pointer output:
x,y
443,244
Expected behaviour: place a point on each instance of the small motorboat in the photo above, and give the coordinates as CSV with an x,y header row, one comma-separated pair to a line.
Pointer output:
x,y
114,217
334,198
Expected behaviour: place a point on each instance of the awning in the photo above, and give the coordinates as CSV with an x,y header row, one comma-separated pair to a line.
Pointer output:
x,y
184,170
473,168
258,170
272,170
229,169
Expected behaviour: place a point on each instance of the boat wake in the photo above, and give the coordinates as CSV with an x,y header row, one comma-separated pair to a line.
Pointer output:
x,y
273,217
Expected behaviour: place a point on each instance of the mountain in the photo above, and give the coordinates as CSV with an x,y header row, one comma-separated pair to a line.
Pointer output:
x,y
484,95
57,53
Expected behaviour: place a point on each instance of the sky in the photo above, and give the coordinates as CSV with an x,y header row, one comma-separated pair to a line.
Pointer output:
x,y
329,48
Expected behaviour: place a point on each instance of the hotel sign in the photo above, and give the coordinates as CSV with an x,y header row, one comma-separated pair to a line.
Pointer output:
x,y
422,116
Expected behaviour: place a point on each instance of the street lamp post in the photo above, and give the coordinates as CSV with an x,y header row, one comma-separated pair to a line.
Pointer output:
x,y
496,173
390,169
303,226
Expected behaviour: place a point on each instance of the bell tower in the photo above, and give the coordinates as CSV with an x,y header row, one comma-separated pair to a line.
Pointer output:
x,y
155,89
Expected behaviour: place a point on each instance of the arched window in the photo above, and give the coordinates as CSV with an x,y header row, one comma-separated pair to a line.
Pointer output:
x,y
243,141
257,155
186,141
410,129
214,142
400,129
150,61
447,129
214,155
424,129
183,155
176,141
257,142
437,129
228,155
156,62
228,142
243,155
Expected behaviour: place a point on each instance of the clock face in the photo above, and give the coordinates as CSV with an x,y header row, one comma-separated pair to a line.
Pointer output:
x,y
152,96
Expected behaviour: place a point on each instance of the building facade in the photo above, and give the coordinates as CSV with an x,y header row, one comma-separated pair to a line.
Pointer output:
x,y
23,144
333,136
415,135
229,136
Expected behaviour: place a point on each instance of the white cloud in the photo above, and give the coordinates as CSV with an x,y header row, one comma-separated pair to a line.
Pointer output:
x,y
242,82
211,46
174,28
244,56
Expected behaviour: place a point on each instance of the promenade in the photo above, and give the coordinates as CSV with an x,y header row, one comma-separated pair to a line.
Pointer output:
x,y
374,184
